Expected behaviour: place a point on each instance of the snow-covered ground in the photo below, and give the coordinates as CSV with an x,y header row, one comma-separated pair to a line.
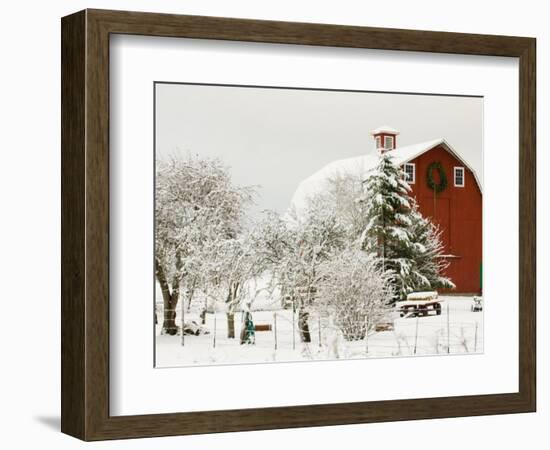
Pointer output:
x,y
456,330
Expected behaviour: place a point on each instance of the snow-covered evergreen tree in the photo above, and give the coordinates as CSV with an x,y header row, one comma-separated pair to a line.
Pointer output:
x,y
388,233
406,244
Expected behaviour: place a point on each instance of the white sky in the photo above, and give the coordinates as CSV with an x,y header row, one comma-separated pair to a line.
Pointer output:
x,y
277,137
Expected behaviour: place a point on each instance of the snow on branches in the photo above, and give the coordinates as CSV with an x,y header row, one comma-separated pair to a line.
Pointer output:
x,y
354,247
406,244
196,206
355,292
428,251
292,250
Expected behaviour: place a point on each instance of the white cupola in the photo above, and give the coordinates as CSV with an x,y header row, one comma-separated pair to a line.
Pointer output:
x,y
385,138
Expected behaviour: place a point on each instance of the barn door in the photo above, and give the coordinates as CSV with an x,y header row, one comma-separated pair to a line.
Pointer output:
x,y
439,213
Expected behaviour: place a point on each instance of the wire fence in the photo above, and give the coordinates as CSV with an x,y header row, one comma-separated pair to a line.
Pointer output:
x,y
451,330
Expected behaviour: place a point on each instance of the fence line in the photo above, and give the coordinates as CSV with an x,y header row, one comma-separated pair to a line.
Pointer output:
x,y
433,334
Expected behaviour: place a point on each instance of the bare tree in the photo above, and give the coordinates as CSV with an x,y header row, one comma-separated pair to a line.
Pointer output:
x,y
229,269
343,195
293,248
196,203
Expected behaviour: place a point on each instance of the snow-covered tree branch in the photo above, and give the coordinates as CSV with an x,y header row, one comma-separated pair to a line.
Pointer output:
x,y
406,244
355,291
196,204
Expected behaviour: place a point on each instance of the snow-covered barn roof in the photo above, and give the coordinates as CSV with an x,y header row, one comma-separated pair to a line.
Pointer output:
x,y
361,165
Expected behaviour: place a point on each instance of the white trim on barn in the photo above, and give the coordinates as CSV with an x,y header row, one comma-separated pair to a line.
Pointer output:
x,y
412,174
456,170
362,165
389,142
410,152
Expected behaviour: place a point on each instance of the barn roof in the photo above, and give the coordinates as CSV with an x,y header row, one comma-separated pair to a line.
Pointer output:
x,y
384,129
361,165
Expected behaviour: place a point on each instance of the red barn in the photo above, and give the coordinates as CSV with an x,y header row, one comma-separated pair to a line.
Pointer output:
x,y
456,208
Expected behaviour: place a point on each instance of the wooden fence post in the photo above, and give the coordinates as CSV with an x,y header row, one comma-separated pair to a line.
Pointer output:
x,y
275,328
448,329
182,321
416,335
215,323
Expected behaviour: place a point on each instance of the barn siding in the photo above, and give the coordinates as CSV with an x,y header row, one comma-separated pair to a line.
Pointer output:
x,y
459,213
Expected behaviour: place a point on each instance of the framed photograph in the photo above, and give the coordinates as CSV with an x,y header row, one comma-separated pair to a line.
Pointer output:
x,y
274,225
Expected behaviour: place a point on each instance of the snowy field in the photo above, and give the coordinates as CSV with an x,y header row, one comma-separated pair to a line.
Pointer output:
x,y
457,330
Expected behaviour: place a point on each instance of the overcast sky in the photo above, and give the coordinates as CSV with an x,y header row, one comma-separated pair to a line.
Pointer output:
x,y
277,137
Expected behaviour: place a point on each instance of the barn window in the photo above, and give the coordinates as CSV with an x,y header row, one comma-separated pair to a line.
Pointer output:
x,y
388,142
410,174
378,141
459,176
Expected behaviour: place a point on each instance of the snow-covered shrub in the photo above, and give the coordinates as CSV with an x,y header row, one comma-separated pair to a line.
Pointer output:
x,y
354,291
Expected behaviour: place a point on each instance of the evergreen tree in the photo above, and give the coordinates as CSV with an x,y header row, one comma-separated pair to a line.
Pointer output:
x,y
387,234
406,244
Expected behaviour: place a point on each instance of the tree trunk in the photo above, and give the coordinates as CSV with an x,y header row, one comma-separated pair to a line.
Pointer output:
x,y
231,296
303,326
231,325
170,300
169,325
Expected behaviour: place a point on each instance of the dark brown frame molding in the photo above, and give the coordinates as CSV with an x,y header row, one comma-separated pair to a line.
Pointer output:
x,y
85,224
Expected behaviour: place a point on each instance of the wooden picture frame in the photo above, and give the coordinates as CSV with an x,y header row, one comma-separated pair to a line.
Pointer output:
x,y
85,224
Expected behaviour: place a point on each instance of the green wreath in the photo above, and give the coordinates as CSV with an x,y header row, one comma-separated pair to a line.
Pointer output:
x,y
442,177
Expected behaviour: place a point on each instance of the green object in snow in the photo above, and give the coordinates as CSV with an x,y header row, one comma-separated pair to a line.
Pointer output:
x,y
249,330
